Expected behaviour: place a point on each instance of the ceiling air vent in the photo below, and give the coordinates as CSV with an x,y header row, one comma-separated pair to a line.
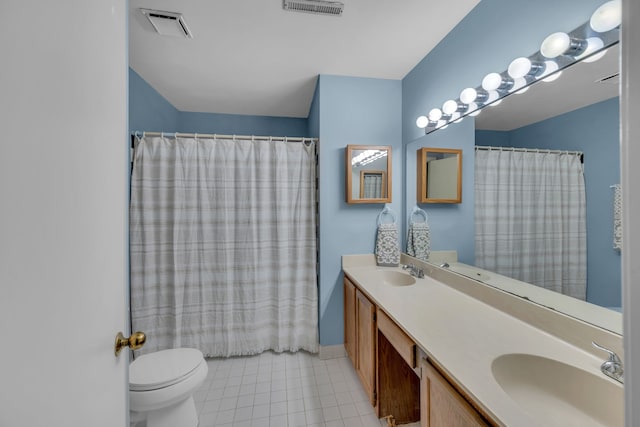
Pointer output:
x,y
168,23
317,7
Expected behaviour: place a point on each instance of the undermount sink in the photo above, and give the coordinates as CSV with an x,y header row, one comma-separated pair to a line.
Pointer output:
x,y
397,278
558,394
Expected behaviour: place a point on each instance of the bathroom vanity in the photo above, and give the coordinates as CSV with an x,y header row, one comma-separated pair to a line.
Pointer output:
x,y
450,351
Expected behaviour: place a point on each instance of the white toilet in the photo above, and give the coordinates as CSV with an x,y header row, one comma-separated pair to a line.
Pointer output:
x,y
161,387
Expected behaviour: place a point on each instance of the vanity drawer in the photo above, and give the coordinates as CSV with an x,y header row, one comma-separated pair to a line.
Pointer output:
x,y
396,336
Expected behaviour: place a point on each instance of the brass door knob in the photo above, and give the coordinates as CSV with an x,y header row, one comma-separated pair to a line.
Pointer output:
x,y
135,341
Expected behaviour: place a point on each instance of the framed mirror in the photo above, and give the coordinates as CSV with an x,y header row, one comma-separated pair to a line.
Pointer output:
x,y
439,175
368,174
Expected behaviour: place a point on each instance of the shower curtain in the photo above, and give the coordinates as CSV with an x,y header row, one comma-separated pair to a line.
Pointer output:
x,y
530,218
223,245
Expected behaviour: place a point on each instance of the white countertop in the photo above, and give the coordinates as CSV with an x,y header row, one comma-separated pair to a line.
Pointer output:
x,y
464,335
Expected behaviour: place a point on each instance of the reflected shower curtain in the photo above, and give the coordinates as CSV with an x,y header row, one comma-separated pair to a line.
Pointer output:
x,y
223,245
530,218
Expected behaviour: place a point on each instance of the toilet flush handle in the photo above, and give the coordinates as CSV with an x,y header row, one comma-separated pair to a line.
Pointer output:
x,y
135,341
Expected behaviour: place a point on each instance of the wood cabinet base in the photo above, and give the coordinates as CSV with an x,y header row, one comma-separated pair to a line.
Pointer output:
x,y
398,385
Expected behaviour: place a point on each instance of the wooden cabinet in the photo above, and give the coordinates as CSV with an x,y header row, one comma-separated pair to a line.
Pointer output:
x,y
350,320
384,357
366,345
398,385
360,336
441,405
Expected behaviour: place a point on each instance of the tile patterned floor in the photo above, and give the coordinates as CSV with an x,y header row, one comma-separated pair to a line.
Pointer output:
x,y
283,390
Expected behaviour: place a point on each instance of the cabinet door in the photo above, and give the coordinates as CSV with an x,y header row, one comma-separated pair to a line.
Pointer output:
x,y
350,320
366,344
441,405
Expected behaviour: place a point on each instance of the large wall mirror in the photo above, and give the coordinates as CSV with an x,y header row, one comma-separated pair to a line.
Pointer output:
x,y
368,174
439,175
578,112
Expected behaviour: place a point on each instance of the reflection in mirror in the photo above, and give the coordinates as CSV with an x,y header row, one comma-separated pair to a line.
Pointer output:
x,y
439,175
368,174
577,112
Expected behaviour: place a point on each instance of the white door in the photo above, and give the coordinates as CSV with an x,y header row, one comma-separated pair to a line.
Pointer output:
x,y
63,211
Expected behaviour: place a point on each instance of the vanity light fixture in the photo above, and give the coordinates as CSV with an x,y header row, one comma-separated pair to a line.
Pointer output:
x,y
452,107
593,44
521,67
475,110
367,157
561,43
550,70
435,114
468,95
497,82
557,51
607,17
422,122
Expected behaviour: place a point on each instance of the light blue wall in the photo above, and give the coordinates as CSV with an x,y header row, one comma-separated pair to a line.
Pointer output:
x,y
450,224
351,111
594,130
149,111
493,34
241,125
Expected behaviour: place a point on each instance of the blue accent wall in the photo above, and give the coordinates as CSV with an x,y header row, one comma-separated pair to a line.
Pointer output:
x,y
351,111
594,130
450,224
150,111
231,124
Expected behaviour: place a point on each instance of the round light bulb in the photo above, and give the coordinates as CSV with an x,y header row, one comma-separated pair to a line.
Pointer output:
x,y
496,102
458,120
521,91
594,44
422,122
450,107
519,67
549,68
468,95
475,112
491,81
493,96
553,77
607,17
435,114
518,84
555,45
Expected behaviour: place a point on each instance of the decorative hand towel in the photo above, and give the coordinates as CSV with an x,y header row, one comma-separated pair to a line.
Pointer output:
x,y
387,246
419,240
617,217
419,236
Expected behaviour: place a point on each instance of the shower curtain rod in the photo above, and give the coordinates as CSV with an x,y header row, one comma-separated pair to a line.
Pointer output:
x,y
528,150
139,134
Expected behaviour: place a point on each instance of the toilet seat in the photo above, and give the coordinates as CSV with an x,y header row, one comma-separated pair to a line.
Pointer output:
x,y
154,371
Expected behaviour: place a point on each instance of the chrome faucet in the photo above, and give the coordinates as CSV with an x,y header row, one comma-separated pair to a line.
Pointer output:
x,y
444,265
414,271
612,367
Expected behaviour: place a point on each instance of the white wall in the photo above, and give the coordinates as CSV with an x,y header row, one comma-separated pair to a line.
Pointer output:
x,y
630,156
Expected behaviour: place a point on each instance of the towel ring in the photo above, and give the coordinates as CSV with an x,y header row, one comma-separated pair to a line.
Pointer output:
x,y
386,211
418,211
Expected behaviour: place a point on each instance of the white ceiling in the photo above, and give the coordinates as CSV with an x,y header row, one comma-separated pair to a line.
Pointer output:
x,y
252,57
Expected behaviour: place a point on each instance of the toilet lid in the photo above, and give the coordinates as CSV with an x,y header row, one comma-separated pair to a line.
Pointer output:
x,y
163,368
